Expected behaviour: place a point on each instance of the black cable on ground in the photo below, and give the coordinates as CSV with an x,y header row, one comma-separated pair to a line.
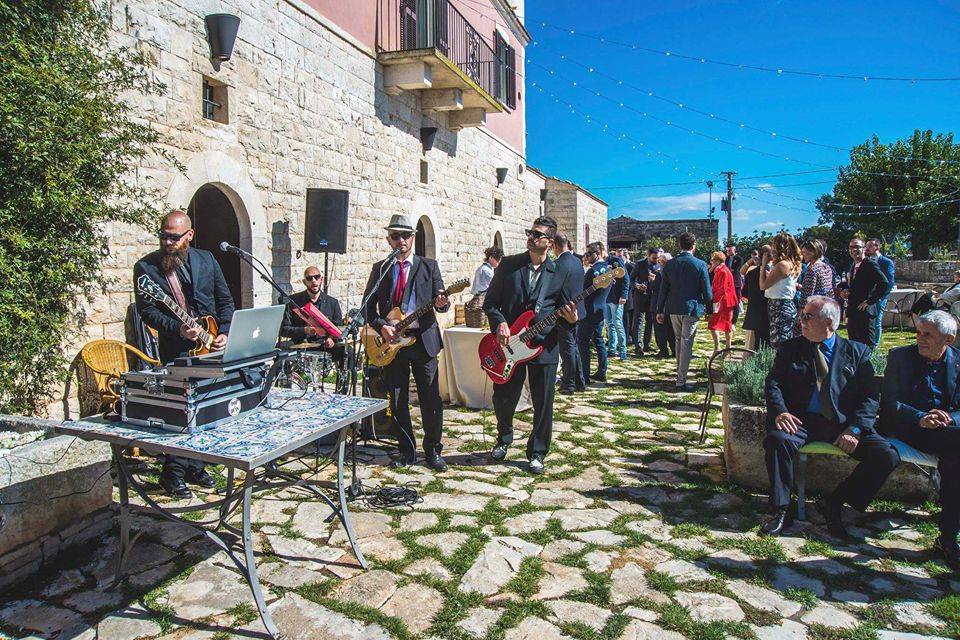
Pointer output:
x,y
379,498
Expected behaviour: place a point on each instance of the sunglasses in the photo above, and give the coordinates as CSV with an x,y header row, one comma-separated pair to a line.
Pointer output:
x,y
316,277
401,235
166,235
533,234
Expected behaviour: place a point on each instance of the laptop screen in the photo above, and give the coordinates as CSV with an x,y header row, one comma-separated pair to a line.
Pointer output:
x,y
253,332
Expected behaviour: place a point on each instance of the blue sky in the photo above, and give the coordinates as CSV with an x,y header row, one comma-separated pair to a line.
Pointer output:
x,y
908,39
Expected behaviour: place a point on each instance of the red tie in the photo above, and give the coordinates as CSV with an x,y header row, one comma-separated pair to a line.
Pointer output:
x,y
401,285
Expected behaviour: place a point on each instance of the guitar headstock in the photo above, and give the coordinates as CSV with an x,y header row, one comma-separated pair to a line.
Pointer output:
x,y
149,288
457,287
606,278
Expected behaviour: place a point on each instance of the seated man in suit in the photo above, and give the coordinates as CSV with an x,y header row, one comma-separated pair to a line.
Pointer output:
x,y
920,406
297,330
822,388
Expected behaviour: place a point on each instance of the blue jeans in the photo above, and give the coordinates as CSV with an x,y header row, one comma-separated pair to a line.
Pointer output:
x,y
590,333
616,336
881,305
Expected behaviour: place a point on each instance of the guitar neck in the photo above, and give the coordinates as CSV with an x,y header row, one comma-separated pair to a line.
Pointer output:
x,y
543,322
421,311
185,317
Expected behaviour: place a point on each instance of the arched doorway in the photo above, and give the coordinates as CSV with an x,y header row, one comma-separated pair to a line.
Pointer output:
x,y
498,240
214,221
425,243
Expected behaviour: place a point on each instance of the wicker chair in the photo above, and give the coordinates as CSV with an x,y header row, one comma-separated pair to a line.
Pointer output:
x,y
103,362
716,379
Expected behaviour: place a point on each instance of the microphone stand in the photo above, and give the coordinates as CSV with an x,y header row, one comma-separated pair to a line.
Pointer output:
x,y
353,331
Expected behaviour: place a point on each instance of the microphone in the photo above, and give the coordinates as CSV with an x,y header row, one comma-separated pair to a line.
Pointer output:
x,y
226,247
393,254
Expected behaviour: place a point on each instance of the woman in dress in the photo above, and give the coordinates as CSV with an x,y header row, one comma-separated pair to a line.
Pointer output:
x,y
818,278
756,321
724,300
779,285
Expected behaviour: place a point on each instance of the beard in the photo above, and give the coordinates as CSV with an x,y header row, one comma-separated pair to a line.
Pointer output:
x,y
170,261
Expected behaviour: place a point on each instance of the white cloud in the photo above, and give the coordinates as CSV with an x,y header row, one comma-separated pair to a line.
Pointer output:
x,y
769,225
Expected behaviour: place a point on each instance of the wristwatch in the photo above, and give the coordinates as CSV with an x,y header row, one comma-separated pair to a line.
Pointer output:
x,y
855,431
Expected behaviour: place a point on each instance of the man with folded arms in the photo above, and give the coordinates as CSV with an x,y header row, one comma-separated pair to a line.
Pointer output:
x,y
822,388
920,406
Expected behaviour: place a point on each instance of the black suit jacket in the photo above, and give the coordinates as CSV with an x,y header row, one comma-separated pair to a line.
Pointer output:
x,y
509,296
902,382
295,328
427,283
207,294
640,275
868,285
853,391
573,281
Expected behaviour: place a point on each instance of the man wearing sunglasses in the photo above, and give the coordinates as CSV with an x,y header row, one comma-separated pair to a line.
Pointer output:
x,y
410,282
297,330
525,281
821,388
192,277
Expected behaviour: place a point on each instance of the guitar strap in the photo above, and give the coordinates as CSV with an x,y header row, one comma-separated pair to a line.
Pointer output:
x,y
177,289
542,285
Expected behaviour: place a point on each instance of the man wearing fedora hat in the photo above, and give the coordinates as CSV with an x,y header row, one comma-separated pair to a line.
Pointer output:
x,y
410,281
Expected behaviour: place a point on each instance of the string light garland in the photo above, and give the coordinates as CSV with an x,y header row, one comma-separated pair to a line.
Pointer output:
x,y
779,71
875,211
892,207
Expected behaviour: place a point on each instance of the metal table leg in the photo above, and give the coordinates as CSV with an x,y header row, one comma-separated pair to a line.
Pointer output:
x,y
251,566
343,513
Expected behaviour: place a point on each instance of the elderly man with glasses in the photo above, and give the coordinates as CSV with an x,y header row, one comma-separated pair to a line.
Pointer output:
x,y
920,406
822,388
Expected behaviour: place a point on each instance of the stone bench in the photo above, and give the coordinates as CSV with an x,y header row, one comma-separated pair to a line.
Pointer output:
x,y
909,455
55,491
744,431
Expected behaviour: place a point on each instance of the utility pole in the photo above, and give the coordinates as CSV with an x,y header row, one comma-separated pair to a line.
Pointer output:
x,y
729,175
710,206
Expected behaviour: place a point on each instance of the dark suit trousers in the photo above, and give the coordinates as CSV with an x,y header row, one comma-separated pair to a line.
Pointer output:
x,y
877,460
862,327
666,339
572,377
591,331
628,326
945,444
543,378
172,466
397,378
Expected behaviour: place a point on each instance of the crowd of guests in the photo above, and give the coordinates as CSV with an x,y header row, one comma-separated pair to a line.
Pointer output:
x,y
822,386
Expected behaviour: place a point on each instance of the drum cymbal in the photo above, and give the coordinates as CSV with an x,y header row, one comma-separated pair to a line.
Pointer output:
x,y
306,345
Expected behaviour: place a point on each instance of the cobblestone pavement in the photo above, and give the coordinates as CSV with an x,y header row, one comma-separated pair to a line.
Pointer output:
x,y
632,534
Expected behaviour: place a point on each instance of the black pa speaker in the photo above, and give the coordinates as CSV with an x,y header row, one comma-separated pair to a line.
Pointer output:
x,y
326,228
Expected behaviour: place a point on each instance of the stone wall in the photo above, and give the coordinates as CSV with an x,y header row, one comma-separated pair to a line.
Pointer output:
x,y
577,212
923,271
625,231
56,490
307,109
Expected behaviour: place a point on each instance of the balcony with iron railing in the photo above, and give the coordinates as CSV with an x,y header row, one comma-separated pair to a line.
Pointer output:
x,y
429,46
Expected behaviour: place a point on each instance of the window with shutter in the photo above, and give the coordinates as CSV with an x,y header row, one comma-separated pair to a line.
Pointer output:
x,y
500,65
408,25
511,77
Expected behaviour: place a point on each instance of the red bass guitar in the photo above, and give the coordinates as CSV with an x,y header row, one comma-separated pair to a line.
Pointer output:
x,y
500,361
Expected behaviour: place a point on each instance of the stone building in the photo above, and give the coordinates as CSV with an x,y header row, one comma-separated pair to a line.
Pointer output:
x,y
410,106
631,233
579,213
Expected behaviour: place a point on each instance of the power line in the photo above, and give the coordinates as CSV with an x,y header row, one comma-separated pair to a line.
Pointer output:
x,y
780,71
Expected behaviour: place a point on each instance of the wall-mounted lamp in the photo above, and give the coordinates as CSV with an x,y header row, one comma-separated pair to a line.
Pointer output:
x,y
501,175
221,34
427,136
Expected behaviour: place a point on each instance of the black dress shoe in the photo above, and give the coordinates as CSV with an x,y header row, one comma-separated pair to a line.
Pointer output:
x,y
435,462
175,487
499,452
404,461
951,551
566,392
830,510
200,478
782,519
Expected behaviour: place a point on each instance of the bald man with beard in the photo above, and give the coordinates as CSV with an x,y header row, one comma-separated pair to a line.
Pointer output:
x,y
192,277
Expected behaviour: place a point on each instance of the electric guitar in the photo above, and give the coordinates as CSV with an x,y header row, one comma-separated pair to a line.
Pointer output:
x,y
499,361
379,351
207,324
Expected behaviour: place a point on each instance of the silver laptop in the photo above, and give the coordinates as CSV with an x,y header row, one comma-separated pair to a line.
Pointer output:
x,y
253,332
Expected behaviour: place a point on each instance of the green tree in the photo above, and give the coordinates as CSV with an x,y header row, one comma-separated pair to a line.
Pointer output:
x,y
67,143
915,170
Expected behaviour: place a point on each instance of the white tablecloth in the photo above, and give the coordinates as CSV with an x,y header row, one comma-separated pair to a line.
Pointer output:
x,y
462,381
